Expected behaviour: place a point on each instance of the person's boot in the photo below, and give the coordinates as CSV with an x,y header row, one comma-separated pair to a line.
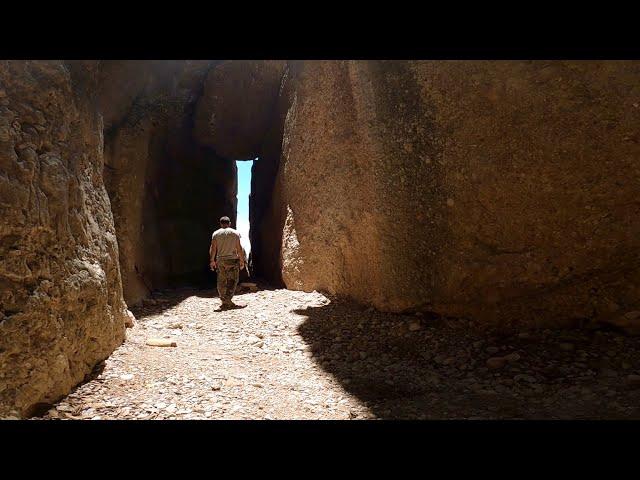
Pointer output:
x,y
235,305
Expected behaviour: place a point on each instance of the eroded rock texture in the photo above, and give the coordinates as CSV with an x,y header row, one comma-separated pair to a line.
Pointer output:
x,y
506,191
267,207
61,307
167,191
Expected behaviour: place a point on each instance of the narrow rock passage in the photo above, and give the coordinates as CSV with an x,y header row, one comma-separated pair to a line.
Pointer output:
x,y
296,355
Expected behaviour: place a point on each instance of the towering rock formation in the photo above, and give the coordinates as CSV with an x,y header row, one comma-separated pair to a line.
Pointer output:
x,y
61,307
505,191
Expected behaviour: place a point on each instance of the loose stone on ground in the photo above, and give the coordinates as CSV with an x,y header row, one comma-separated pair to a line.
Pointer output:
x,y
297,355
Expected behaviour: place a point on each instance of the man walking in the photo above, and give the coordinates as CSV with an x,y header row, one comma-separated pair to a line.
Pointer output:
x,y
227,256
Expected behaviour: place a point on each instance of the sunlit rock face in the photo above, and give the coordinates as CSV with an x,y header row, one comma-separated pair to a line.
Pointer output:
x,y
61,306
67,129
504,191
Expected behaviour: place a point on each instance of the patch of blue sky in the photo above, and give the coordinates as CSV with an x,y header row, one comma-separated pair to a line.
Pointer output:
x,y
244,189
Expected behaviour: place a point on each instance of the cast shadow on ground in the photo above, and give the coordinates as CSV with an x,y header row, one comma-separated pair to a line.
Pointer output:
x,y
161,300
375,358
158,302
439,370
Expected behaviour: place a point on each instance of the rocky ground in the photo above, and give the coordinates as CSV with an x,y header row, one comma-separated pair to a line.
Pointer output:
x,y
296,355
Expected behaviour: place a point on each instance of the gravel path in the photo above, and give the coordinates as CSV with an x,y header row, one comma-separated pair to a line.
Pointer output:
x,y
296,355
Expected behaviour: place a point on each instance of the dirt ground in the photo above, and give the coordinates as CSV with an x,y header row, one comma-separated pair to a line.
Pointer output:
x,y
297,355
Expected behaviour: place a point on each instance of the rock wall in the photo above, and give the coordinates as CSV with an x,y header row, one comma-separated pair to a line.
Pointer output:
x,y
235,112
333,226
503,191
266,206
542,178
61,307
167,191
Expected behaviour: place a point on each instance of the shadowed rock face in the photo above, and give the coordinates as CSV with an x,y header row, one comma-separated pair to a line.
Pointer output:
x,y
266,205
541,179
241,116
504,191
61,307
151,160
236,109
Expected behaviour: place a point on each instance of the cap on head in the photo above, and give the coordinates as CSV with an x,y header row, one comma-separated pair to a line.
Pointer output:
x,y
225,220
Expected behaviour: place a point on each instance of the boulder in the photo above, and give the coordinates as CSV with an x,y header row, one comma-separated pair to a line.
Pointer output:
x,y
500,191
61,305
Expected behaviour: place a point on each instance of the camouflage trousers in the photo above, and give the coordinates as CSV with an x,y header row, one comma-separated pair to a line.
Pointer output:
x,y
228,276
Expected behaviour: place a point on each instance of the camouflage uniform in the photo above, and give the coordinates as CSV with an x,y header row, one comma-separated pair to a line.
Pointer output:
x,y
228,276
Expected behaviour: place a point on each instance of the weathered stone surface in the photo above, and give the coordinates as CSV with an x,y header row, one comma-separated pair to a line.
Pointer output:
x,y
267,207
120,83
540,163
496,363
234,113
503,191
61,307
343,193
130,319
124,84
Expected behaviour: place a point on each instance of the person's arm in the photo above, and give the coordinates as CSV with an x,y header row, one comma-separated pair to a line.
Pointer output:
x,y
213,249
240,252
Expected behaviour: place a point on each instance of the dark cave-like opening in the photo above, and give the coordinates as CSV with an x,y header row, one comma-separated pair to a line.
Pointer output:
x,y
171,173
